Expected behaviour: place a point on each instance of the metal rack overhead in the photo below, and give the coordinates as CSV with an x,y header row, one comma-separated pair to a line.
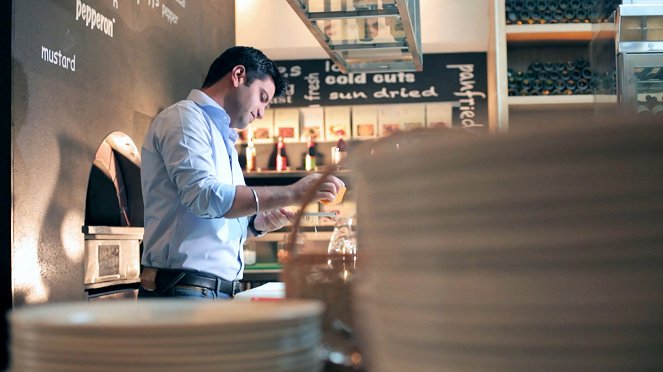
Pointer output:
x,y
365,35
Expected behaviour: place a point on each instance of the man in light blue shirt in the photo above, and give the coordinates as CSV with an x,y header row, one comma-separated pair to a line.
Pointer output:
x,y
198,209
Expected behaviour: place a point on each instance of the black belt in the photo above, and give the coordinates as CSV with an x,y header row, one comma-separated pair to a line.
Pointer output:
x,y
168,278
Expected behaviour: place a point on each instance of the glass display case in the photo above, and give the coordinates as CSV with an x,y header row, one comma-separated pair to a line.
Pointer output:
x,y
644,84
639,43
365,35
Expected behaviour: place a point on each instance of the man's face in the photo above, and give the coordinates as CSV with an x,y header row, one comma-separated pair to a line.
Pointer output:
x,y
245,103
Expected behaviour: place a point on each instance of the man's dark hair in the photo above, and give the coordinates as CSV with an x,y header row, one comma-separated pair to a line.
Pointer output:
x,y
257,65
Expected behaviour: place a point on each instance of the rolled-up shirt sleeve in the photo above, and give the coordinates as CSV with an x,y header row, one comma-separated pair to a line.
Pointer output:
x,y
187,148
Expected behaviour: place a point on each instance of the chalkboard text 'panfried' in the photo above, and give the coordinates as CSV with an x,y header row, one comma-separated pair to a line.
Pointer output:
x,y
466,95
94,19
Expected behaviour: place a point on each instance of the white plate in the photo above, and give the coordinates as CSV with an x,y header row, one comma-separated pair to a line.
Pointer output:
x,y
161,315
119,348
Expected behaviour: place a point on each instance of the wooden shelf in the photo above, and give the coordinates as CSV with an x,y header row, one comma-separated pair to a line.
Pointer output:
x,y
551,102
550,32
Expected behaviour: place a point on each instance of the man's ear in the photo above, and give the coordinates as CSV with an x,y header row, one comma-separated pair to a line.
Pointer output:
x,y
238,75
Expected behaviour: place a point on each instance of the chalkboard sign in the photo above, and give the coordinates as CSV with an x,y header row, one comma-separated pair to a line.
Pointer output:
x,y
143,54
460,78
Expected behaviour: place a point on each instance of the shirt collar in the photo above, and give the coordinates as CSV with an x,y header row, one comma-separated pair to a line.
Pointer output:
x,y
216,113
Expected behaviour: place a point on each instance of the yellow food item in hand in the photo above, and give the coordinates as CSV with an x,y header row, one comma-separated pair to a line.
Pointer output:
x,y
338,199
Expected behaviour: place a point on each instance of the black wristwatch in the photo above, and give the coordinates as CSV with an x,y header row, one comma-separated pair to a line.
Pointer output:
x,y
253,229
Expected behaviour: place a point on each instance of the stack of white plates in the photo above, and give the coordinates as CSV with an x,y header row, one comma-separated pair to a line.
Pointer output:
x,y
167,335
540,251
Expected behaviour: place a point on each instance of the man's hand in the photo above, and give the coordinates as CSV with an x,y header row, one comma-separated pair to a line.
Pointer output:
x,y
327,190
273,220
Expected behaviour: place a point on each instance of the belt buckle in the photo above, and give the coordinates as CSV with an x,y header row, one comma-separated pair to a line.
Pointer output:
x,y
236,287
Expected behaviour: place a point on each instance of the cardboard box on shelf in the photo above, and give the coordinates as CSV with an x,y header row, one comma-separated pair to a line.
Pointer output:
x,y
439,114
337,123
286,124
389,120
413,116
263,129
313,123
364,122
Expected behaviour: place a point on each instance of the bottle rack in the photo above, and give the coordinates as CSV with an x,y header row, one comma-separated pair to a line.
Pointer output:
x,y
558,11
552,78
516,46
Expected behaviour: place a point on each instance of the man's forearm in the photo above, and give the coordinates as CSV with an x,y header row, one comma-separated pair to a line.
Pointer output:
x,y
269,197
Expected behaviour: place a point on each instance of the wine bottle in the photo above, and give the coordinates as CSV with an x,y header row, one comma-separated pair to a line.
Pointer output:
x,y
558,16
525,17
571,85
518,5
581,63
525,84
535,66
548,84
339,152
510,73
281,156
582,87
542,5
569,15
537,86
548,16
251,156
554,75
511,18
586,73
570,66
309,162
536,16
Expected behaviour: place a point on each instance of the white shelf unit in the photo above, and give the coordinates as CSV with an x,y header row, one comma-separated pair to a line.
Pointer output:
x,y
513,45
549,32
584,101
